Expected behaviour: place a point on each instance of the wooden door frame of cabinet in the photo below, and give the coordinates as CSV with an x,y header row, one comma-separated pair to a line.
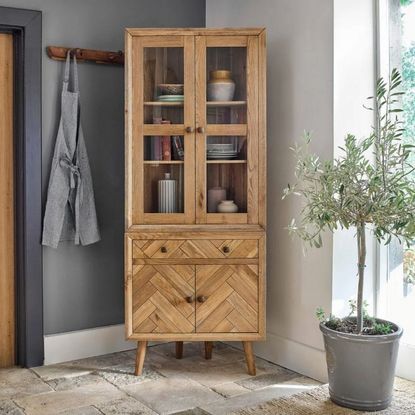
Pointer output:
x,y
250,130
136,130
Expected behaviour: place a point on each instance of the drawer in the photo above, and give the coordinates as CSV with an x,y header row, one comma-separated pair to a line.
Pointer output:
x,y
195,248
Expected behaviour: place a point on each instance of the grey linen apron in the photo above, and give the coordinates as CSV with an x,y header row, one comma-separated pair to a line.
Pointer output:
x,y
70,207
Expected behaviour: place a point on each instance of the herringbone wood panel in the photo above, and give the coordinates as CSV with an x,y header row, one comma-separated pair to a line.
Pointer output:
x,y
231,293
159,302
195,248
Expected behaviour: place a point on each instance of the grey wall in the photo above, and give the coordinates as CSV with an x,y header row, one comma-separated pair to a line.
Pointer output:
x,y
83,286
300,96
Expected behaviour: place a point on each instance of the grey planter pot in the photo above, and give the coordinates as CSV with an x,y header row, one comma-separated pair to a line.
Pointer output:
x,y
361,369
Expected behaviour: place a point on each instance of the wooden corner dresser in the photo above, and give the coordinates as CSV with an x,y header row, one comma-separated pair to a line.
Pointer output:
x,y
195,136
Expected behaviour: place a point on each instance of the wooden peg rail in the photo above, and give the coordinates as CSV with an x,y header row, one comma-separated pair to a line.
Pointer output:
x,y
97,56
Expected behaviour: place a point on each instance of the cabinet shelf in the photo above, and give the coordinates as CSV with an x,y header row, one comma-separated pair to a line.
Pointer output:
x,y
226,161
208,103
164,104
225,103
163,162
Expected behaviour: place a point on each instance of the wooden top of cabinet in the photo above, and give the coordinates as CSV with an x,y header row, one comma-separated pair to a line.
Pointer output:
x,y
244,31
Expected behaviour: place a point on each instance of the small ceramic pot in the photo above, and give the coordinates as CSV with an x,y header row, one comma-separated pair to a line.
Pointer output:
x,y
215,196
227,206
220,87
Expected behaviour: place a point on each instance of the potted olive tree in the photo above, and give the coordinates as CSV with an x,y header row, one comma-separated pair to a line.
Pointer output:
x,y
370,188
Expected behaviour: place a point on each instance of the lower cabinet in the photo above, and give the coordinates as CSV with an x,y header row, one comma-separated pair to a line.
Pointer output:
x,y
199,288
195,298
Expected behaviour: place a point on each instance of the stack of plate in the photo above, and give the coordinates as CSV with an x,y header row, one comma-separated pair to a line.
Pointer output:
x,y
170,98
221,151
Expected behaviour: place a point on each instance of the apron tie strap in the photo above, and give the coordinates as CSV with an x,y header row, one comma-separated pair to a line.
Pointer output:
x,y
75,183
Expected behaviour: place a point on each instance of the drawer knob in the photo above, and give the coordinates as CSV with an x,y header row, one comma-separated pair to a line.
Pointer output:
x,y
190,299
189,129
226,249
200,130
163,249
201,299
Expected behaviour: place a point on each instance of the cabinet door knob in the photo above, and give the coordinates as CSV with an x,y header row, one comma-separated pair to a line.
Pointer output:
x,y
190,299
201,299
189,129
163,249
226,249
200,130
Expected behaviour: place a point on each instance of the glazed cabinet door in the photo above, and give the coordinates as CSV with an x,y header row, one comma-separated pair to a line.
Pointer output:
x,y
227,107
160,130
227,299
162,299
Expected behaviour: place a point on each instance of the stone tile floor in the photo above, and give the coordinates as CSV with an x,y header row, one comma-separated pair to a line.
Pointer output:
x,y
106,384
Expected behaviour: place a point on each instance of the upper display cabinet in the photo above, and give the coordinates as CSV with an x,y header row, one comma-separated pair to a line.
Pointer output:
x,y
195,102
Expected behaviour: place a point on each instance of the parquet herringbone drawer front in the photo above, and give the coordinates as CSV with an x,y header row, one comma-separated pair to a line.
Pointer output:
x,y
195,248
195,299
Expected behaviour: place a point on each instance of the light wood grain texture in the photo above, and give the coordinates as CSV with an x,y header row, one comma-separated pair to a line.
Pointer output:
x,y
163,41
128,125
200,64
225,103
226,129
196,31
201,231
262,294
140,356
227,294
227,218
179,350
195,261
189,138
156,163
249,356
7,269
137,147
160,296
262,131
226,161
208,350
226,41
195,248
252,98
164,129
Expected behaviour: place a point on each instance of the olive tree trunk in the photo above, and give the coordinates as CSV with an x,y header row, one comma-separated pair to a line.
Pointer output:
x,y
361,248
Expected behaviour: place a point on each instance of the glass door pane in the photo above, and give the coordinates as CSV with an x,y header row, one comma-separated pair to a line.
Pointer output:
x,y
227,129
162,148
164,174
163,85
226,161
226,85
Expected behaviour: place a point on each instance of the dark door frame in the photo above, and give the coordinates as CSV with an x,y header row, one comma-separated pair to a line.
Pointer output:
x,y
26,27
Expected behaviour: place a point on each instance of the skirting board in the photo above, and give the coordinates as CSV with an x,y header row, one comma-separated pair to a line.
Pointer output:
x,y
73,345
301,358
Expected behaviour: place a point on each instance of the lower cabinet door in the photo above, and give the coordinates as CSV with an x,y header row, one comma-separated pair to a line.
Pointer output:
x,y
227,299
163,299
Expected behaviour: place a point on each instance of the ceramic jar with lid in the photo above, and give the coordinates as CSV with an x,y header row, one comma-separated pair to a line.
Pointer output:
x,y
227,206
220,87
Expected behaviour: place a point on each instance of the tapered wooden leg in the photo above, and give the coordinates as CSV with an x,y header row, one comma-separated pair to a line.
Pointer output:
x,y
208,350
249,356
179,350
140,356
